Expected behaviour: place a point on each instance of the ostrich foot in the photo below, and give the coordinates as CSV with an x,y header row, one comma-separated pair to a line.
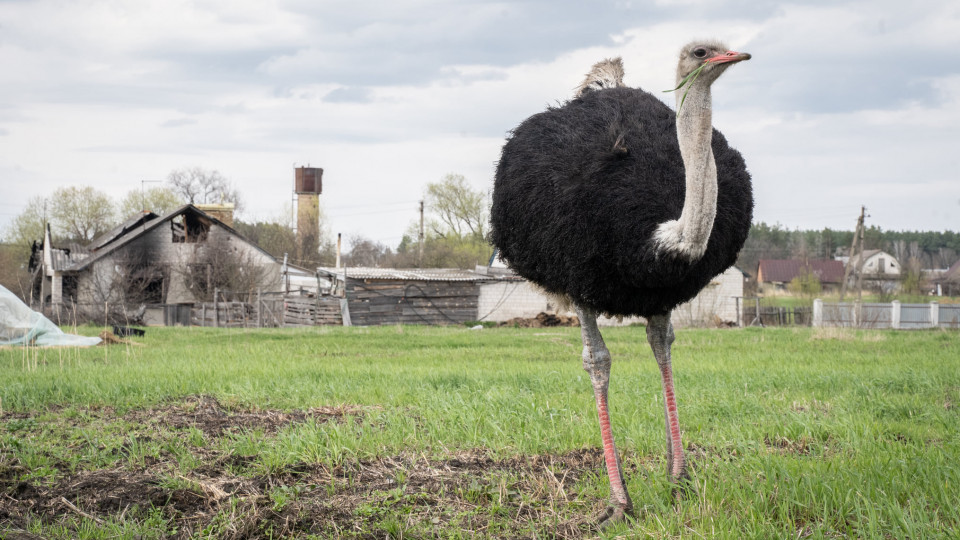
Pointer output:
x,y
612,514
683,487
684,490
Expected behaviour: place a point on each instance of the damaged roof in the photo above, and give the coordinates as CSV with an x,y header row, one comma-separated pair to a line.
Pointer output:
x,y
136,228
67,256
113,234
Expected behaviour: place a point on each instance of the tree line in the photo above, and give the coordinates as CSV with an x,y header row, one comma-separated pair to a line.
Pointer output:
x,y
923,249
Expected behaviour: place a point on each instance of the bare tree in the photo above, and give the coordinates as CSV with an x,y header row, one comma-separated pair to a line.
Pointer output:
x,y
219,265
366,252
158,200
197,185
117,289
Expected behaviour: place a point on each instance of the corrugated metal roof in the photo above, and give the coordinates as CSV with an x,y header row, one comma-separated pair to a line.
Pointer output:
x,y
63,259
782,271
410,274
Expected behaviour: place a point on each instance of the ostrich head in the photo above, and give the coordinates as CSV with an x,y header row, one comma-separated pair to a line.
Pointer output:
x,y
604,74
712,58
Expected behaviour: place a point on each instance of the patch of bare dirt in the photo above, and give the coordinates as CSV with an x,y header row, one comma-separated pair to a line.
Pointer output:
x,y
343,501
803,446
542,320
205,413
213,419
468,491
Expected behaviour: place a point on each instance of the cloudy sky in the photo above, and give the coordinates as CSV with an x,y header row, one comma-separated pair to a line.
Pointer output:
x,y
844,103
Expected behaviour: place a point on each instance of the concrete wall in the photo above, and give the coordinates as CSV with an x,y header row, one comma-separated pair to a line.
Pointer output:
x,y
505,300
715,302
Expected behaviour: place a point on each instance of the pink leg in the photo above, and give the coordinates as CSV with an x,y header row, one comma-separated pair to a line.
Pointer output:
x,y
596,361
660,336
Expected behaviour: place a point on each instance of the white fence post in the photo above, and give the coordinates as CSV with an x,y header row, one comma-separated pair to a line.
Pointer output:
x,y
934,314
895,314
818,313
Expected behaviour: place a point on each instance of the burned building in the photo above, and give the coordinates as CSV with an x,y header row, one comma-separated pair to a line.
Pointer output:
x,y
150,261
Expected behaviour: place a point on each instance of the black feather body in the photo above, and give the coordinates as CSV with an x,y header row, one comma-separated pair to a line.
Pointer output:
x,y
581,188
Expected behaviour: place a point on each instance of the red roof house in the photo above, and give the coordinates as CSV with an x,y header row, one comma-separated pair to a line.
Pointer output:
x,y
780,271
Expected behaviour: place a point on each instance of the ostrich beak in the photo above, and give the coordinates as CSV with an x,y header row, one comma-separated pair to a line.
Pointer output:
x,y
728,57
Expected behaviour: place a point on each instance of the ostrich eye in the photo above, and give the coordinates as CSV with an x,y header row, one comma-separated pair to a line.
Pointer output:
x,y
700,53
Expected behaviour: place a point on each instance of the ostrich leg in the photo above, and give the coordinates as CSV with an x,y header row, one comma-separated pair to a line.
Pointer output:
x,y
660,336
596,361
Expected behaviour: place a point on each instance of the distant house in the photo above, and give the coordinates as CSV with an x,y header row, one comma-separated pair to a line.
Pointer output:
x,y
774,274
948,282
151,261
876,264
881,270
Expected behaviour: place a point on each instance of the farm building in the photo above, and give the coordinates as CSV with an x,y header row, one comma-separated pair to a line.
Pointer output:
x,y
512,296
773,275
876,263
948,281
377,296
151,261
509,296
880,270
717,303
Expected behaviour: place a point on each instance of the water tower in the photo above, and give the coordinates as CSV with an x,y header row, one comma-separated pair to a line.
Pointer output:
x,y
308,186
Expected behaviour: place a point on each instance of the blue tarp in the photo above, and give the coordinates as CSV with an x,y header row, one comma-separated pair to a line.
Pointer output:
x,y
20,325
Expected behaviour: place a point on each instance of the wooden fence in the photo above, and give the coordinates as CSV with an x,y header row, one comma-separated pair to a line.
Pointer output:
x,y
776,316
268,310
311,311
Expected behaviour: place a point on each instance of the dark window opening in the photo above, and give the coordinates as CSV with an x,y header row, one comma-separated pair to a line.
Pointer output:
x,y
153,291
69,289
145,288
189,228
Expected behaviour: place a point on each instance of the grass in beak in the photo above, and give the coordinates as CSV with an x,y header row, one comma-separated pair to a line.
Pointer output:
x,y
691,78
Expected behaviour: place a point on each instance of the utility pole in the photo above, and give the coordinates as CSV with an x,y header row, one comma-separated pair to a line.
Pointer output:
x,y
420,239
860,260
857,234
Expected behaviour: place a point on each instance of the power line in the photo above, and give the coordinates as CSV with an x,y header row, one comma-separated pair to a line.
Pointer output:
x,y
369,213
374,205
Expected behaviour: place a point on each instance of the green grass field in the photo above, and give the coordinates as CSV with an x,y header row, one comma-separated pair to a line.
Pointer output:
x,y
417,432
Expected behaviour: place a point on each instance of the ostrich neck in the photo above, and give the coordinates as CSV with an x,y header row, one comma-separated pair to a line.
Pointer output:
x,y
688,235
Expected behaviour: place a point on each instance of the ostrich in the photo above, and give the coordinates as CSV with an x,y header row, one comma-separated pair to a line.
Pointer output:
x,y
618,205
